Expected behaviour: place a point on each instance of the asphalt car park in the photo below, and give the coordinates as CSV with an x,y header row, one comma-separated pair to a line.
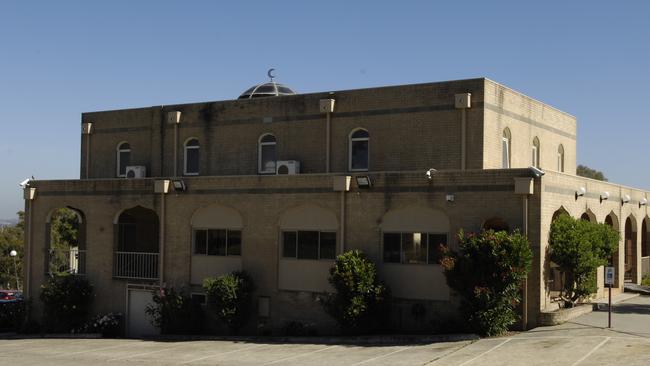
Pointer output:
x,y
585,341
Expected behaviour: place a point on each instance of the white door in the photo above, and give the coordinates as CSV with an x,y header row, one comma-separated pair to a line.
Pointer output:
x,y
139,323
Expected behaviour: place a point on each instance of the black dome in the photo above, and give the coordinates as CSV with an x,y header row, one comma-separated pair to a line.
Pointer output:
x,y
270,89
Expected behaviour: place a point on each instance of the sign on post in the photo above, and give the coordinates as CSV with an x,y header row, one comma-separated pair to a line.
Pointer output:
x,y
609,276
609,282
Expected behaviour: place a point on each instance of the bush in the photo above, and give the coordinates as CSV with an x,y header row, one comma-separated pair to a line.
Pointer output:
x,y
67,300
229,298
487,273
109,325
646,280
360,301
579,247
175,313
12,315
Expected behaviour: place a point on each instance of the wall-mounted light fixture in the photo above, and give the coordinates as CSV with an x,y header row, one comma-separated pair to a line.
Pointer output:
x,y
604,196
625,199
643,202
450,197
179,185
580,192
430,173
363,181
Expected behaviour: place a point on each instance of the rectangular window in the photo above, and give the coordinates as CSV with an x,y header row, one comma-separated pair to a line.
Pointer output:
x,y
267,159
309,244
219,242
505,158
192,160
359,158
534,160
125,160
413,248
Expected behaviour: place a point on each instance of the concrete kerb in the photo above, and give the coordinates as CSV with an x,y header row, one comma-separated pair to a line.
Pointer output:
x,y
51,336
383,340
603,304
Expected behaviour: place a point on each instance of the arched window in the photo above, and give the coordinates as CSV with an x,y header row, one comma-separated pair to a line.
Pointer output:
x,y
123,158
560,158
505,149
191,164
535,153
266,154
358,150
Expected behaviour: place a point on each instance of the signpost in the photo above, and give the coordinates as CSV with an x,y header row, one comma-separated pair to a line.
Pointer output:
x,y
609,282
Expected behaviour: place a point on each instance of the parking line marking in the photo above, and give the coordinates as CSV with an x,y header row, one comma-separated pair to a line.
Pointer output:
x,y
144,353
94,350
300,355
16,344
486,352
382,356
223,353
592,351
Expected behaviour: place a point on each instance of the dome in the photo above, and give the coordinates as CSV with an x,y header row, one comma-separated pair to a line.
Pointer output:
x,y
269,89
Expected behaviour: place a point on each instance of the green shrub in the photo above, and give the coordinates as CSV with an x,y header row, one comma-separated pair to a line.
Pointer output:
x,y
579,247
229,298
108,325
67,300
360,301
488,272
175,313
646,280
12,315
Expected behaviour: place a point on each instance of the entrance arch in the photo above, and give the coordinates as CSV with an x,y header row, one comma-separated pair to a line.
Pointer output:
x,y
612,221
136,244
630,257
66,241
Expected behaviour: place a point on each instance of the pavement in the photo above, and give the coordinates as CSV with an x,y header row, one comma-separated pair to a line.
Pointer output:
x,y
583,341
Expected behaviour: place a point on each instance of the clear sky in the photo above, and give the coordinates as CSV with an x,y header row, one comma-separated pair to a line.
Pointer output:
x,y
61,58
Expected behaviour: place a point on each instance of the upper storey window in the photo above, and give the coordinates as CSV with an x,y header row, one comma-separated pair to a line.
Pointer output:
x,y
535,153
358,150
123,158
191,165
560,158
266,154
505,149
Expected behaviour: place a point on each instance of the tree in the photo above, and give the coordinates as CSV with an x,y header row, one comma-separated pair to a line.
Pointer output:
x,y
585,171
488,272
229,297
64,232
359,303
11,238
579,247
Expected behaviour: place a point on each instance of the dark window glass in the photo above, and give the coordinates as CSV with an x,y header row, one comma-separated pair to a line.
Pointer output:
x,y
192,161
414,246
289,244
327,245
125,160
267,158
216,242
265,89
392,248
308,245
127,237
285,90
268,138
435,240
360,134
200,242
234,242
198,298
359,155
192,142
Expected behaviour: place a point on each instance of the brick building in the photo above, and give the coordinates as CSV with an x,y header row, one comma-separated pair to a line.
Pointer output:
x,y
275,186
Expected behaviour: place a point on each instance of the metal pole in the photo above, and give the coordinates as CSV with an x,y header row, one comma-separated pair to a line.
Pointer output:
x,y
609,309
16,274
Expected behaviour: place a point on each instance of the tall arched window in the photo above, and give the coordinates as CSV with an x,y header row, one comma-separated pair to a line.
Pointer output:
x,y
560,158
505,149
535,153
191,163
123,158
358,150
266,154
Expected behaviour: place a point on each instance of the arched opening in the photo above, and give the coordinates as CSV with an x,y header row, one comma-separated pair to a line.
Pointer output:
x,y
645,248
506,139
612,221
66,233
630,249
266,154
535,153
555,277
560,211
496,224
191,157
560,158
137,252
358,150
588,216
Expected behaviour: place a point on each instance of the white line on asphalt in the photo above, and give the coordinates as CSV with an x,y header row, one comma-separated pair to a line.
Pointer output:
x,y
382,356
592,351
300,355
94,350
144,354
223,353
16,344
486,352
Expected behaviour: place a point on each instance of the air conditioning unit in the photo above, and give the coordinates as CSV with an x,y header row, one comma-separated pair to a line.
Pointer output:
x,y
136,171
287,167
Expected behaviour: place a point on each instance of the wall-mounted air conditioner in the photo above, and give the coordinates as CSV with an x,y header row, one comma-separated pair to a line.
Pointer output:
x,y
289,167
136,171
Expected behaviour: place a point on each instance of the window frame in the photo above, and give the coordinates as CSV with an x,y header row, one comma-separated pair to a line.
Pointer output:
x,y
296,231
196,147
207,235
260,146
402,256
351,141
118,158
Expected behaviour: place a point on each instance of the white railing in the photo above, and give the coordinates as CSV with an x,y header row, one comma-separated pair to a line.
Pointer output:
x,y
71,260
135,265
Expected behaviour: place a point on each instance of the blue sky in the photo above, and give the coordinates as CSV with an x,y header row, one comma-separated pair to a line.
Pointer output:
x,y
61,58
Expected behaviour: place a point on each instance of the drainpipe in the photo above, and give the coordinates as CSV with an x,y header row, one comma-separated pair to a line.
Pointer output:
x,y
463,102
525,188
342,222
342,184
87,129
29,193
327,107
161,187
175,118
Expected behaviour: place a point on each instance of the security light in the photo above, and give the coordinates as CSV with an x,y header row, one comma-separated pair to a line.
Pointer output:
x,y
580,192
625,199
536,172
363,181
430,173
179,185
604,196
24,183
643,202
